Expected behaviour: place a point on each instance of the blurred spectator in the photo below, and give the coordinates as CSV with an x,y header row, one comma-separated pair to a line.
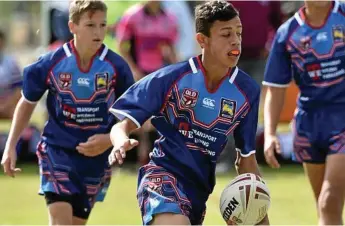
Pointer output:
x,y
289,8
258,32
185,45
59,31
10,81
10,88
146,36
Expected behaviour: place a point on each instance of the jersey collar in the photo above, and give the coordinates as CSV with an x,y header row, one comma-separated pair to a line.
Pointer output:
x,y
196,66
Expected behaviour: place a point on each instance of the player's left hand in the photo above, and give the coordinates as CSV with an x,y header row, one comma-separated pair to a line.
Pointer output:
x,y
95,145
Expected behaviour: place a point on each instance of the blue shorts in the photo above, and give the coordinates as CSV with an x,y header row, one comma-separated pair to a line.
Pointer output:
x,y
318,133
68,173
161,192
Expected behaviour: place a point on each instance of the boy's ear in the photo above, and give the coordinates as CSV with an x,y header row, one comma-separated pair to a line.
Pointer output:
x,y
201,39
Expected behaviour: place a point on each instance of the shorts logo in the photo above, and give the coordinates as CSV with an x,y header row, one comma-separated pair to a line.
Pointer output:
x,y
338,33
65,80
228,109
101,81
189,98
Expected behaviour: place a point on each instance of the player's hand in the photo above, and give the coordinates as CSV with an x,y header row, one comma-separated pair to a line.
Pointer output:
x,y
95,145
8,162
272,146
118,154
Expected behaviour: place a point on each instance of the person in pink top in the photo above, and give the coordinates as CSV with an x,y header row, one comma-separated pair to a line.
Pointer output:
x,y
146,35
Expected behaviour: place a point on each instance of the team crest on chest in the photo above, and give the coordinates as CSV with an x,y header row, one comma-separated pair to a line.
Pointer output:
x,y
305,42
189,98
338,33
101,81
65,80
228,109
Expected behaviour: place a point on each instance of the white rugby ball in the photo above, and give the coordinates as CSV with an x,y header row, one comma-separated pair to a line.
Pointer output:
x,y
245,201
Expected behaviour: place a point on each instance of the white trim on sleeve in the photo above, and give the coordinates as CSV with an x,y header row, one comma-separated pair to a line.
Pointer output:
x,y
246,155
275,84
26,99
115,112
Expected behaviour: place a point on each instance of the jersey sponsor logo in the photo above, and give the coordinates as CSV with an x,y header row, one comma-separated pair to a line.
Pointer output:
x,y
101,81
314,71
208,103
189,98
325,70
338,33
69,112
83,81
228,109
65,80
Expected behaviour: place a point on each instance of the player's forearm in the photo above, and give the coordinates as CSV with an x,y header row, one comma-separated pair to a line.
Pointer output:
x,y
274,103
121,130
247,165
21,117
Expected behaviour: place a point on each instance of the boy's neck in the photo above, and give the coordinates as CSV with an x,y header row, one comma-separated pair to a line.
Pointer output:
x,y
84,54
316,15
215,71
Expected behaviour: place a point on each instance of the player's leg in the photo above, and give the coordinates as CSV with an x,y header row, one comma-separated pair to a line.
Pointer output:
x,y
60,212
60,183
170,219
79,221
315,173
96,179
331,200
312,157
162,198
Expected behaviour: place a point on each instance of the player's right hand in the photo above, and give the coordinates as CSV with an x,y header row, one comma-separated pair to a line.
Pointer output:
x,y
272,146
8,162
118,154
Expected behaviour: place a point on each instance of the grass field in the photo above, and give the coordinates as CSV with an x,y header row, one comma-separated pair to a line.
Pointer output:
x,y
292,200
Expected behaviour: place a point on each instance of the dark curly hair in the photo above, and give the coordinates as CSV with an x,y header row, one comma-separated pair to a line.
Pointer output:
x,y
207,13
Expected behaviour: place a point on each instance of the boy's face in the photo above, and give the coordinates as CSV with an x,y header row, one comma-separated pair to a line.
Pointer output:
x,y
91,29
224,43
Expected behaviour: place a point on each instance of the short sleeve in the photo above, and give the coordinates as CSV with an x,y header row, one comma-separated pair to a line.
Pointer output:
x,y
124,79
34,81
278,68
144,99
124,30
245,133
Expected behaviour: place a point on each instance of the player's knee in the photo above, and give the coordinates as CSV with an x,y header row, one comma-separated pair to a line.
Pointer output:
x,y
60,213
330,201
169,219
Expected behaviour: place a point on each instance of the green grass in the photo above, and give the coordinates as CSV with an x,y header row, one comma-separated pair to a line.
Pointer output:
x,y
292,199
